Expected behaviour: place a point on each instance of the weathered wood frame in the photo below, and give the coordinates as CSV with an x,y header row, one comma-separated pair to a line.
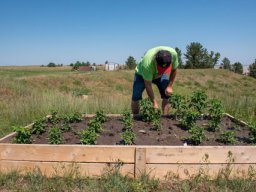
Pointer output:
x,y
158,161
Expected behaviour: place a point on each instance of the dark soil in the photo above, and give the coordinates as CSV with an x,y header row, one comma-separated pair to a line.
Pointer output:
x,y
172,133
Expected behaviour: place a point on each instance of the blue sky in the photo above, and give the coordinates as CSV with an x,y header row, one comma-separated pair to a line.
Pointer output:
x,y
36,32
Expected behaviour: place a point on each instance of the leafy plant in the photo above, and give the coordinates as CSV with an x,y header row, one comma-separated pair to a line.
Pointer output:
x,y
227,137
95,125
100,116
54,119
156,124
38,127
198,100
74,117
197,135
127,119
88,136
148,112
188,118
177,102
128,137
216,112
23,135
66,127
252,133
54,135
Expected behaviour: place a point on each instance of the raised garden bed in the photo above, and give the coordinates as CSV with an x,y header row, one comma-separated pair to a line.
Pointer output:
x,y
169,158
183,144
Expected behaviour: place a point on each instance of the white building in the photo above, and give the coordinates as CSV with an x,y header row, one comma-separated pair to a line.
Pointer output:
x,y
111,66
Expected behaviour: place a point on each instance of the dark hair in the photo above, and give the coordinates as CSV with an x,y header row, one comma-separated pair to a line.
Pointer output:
x,y
163,58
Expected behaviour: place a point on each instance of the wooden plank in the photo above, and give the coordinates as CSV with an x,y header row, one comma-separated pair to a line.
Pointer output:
x,y
236,120
56,168
7,136
68,153
140,161
198,154
185,171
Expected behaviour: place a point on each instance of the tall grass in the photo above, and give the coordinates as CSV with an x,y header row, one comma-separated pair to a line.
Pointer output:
x,y
113,181
27,93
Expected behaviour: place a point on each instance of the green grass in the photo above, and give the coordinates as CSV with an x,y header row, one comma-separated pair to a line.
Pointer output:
x,y
115,182
29,93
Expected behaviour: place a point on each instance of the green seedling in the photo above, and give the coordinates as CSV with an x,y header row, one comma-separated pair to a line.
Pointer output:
x,y
156,124
95,125
66,127
188,119
72,118
23,135
128,137
147,111
88,136
197,135
100,116
216,112
127,119
55,135
227,137
54,119
252,133
177,102
198,101
38,127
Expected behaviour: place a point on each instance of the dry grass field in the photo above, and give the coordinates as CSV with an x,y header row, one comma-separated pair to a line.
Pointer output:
x,y
31,92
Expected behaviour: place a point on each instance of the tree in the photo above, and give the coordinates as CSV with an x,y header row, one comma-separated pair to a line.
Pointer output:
x,y
179,53
252,69
51,64
130,63
237,68
197,57
225,63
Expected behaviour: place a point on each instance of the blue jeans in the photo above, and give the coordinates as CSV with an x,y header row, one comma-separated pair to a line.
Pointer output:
x,y
139,86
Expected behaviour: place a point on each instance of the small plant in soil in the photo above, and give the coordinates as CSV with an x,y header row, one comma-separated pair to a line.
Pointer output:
x,y
38,127
197,135
128,137
23,135
157,124
227,137
188,118
95,125
178,103
55,135
72,118
198,101
147,111
100,116
54,119
127,119
88,136
252,133
65,127
216,112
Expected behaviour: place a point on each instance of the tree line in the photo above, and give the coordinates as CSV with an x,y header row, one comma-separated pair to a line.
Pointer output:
x,y
198,57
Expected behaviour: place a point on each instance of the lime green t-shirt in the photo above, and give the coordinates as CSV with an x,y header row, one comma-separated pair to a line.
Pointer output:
x,y
147,66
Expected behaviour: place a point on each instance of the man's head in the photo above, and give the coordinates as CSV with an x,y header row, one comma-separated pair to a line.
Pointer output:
x,y
164,58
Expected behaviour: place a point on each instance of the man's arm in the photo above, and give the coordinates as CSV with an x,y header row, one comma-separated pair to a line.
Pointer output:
x,y
168,89
149,90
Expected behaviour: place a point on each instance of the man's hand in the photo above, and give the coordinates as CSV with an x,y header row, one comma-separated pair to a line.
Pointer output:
x,y
168,90
155,105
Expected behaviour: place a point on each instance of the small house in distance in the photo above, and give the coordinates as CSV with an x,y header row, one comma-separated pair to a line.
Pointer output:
x,y
111,66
